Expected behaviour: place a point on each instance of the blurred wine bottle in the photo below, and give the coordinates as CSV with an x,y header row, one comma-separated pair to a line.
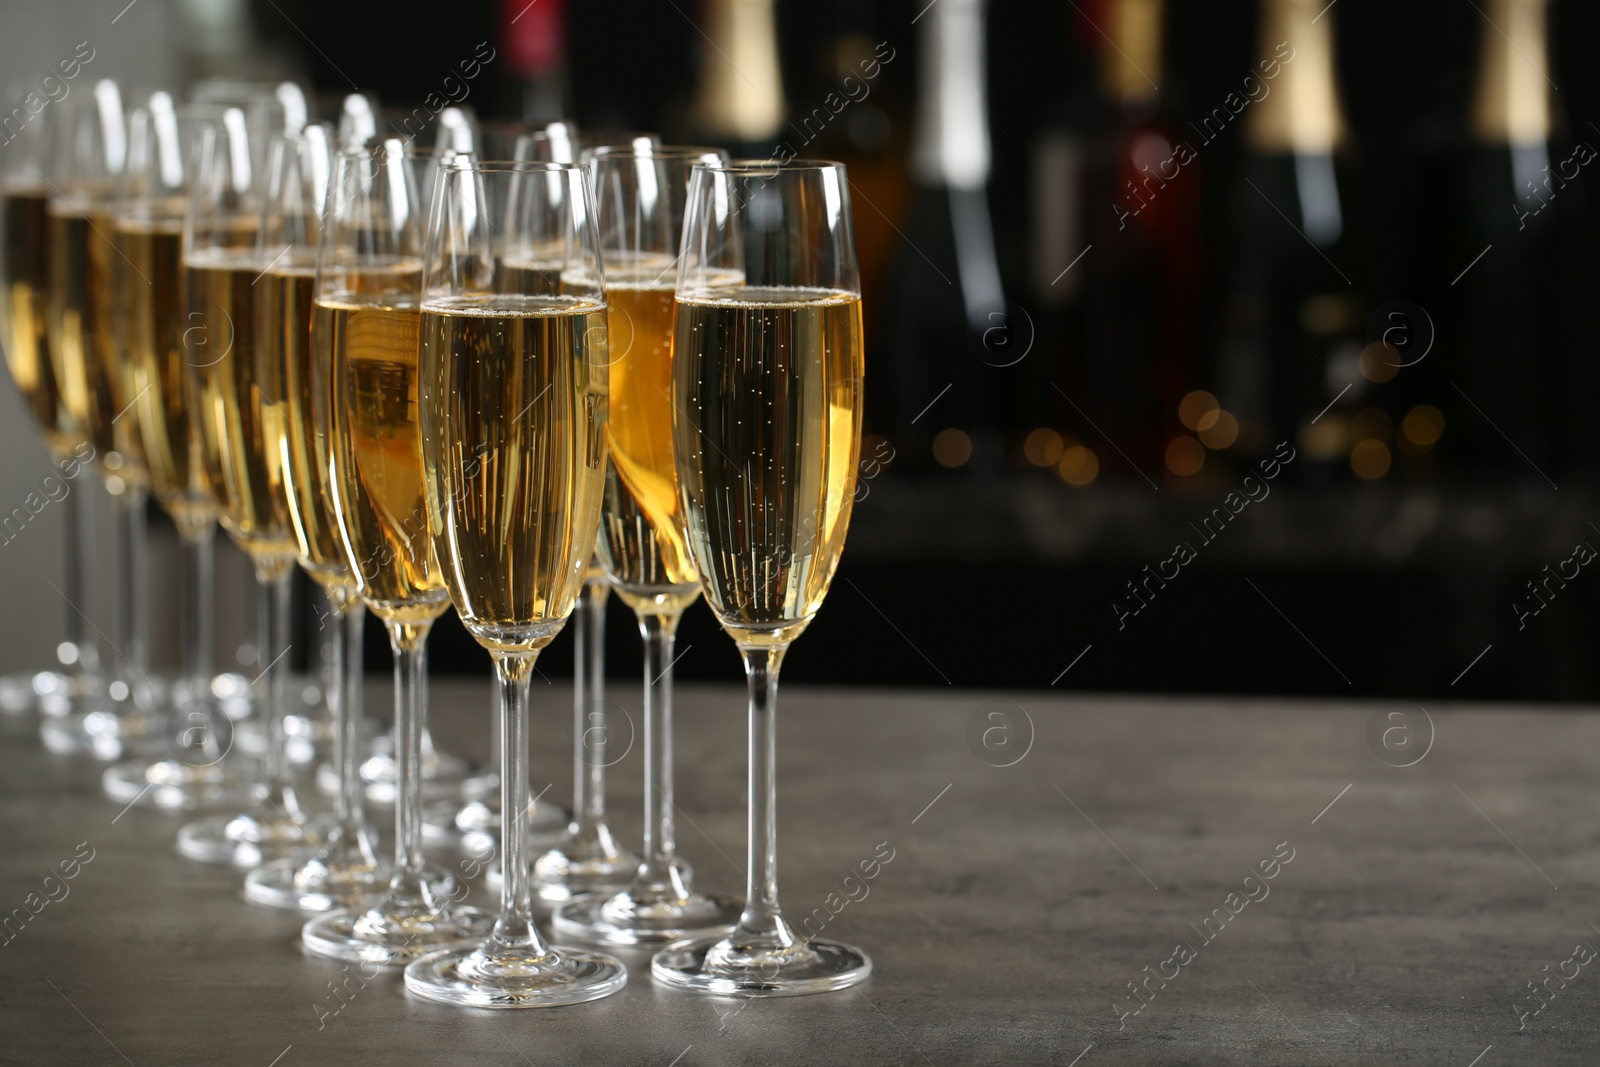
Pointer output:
x,y
1515,354
535,40
1293,329
850,109
954,340
739,102
1141,279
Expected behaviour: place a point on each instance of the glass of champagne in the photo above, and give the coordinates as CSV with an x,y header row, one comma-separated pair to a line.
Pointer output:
x,y
513,436
233,387
345,869
766,389
25,268
85,345
640,192
365,319
148,228
446,777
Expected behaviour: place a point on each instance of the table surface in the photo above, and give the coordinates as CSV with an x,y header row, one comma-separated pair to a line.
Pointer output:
x,y
1019,907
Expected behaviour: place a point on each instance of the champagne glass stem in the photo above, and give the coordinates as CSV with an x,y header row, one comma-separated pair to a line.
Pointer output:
x,y
133,561
761,916
196,620
513,929
659,631
589,682
409,642
276,578
78,653
344,695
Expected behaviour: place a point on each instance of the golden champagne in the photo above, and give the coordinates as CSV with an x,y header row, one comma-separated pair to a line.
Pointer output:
x,y
236,391
284,322
768,392
377,451
514,434
151,304
24,303
643,538
86,344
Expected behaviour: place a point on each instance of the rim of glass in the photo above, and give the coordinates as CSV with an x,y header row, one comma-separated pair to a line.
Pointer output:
x,y
466,161
752,166
660,151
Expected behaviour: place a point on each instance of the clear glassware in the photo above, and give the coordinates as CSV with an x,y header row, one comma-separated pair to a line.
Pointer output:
x,y
231,386
513,438
446,778
640,191
366,314
345,869
766,387
148,233
25,266
85,347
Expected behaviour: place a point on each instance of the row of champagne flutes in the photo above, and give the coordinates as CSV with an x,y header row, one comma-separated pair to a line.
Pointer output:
x,y
418,411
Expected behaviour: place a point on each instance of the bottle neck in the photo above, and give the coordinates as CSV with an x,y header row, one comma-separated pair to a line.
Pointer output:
x,y
952,138
1300,114
1130,68
741,87
1512,103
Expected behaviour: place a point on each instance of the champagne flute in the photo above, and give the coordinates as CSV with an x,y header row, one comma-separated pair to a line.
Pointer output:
x,y
766,387
25,268
148,225
588,858
366,317
513,435
445,777
232,389
640,192
87,353
345,869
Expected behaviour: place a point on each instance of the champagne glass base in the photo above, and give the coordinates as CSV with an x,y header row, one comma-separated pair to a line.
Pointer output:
x,y
107,733
474,826
391,935
479,978
754,969
173,785
641,916
443,776
568,872
21,694
246,840
301,738
341,878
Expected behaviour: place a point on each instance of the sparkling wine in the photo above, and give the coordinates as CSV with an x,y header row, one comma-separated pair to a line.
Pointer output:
x,y
285,324
86,345
24,301
514,432
376,450
768,392
235,390
642,529
150,301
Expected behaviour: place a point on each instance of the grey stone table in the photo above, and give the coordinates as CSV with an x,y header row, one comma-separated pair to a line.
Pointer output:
x,y
1020,907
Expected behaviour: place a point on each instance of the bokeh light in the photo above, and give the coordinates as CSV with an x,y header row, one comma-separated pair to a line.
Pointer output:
x,y
1197,406
1185,456
1370,459
1079,466
1043,447
952,447
1220,431
1380,362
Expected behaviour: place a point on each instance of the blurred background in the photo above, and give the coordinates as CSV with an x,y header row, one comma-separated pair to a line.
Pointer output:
x,y
1214,345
